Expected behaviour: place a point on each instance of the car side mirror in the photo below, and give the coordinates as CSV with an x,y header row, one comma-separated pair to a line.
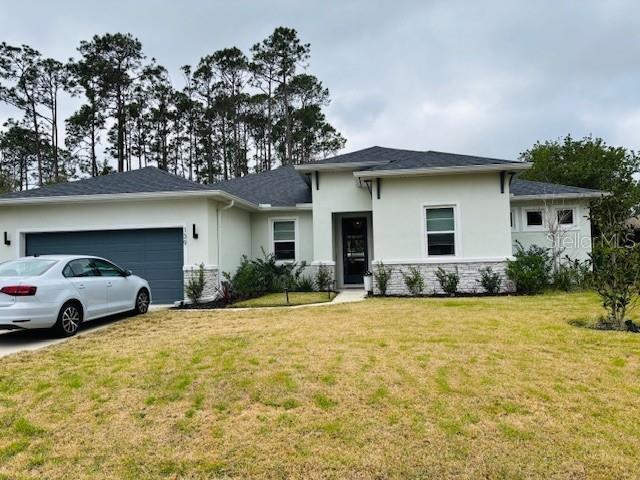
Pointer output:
x,y
127,273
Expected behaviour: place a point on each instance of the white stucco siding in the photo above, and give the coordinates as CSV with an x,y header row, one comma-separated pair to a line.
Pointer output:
x,y
338,192
575,240
262,232
18,220
481,217
235,226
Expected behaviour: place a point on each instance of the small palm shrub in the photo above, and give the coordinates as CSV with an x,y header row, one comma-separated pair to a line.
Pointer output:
x,y
323,278
304,284
572,275
381,276
489,280
448,281
531,269
195,285
414,281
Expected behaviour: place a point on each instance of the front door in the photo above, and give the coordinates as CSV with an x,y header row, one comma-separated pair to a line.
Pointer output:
x,y
354,249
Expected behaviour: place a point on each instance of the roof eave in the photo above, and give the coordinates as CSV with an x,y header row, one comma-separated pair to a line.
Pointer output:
x,y
335,167
121,197
559,196
408,172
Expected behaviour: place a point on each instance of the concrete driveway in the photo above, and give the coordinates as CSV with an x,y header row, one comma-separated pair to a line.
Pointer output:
x,y
15,341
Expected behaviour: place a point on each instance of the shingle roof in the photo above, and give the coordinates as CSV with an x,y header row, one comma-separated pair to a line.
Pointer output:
x,y
280,187
520,187
397,159
144,180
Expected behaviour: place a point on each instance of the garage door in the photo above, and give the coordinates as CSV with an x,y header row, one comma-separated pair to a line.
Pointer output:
x,y
154,254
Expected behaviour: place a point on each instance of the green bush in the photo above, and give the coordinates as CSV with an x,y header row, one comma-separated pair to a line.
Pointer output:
x,y
531,269
195,285
448,281
490,280
413,281
304,284
323,278
382,276
244,283
572,275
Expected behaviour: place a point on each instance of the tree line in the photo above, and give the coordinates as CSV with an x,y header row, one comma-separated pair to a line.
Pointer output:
x,y
234,113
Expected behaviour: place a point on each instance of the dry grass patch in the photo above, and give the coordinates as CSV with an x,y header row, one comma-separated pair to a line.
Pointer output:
x,y
389,388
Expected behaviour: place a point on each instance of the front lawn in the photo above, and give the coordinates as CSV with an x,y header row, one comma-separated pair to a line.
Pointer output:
x,y
279,299
471,388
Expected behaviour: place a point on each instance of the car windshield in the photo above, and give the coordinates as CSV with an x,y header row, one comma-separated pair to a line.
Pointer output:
x,y
25,268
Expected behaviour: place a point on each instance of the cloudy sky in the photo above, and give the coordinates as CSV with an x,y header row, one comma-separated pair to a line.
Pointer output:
x,y
482,77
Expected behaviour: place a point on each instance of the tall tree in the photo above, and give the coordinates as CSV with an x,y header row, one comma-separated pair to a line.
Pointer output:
x,y
118,62
54,79
21,76
591,163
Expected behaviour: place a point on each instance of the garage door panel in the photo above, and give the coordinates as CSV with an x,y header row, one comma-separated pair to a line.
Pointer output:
x,y
154,254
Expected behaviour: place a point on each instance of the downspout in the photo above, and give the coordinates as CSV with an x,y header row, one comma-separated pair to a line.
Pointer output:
x,y
219,225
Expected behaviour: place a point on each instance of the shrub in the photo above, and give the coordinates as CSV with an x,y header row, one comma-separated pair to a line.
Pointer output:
x,y
245,282
448,281
413,281
382,276
531,269
273,276
490,280
572,275
195,285
304,284
323,278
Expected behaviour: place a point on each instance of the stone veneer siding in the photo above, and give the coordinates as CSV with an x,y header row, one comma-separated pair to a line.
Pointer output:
x,y
312,271
469,277
211,278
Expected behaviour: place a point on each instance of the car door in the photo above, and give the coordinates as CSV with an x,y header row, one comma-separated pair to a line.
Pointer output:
x,y
91,287
119,290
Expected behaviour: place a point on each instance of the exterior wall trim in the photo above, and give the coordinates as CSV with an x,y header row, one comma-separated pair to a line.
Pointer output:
x,y
438,261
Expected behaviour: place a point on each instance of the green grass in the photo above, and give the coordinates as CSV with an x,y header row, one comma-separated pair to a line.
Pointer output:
x,y
494,388
279,300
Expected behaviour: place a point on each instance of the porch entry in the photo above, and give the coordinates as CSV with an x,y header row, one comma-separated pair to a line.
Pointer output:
x,y
355,255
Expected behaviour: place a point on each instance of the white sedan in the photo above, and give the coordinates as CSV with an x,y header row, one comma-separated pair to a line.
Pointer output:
x,y
62,291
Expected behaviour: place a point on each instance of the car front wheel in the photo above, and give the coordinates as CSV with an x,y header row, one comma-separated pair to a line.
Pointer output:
x,y
69,319
142,302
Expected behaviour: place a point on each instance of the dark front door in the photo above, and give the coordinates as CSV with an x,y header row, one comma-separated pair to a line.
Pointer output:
x,y
354,249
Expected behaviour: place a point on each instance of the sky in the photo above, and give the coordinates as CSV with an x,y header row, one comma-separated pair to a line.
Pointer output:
x,y
484,77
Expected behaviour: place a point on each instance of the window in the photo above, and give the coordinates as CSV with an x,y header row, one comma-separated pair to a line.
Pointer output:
x,y
534,218
107,269
83,267
25,268
565,216
284,240
441,235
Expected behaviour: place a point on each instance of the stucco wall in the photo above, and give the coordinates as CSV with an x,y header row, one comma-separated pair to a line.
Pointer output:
x,y
261,234
482,217
575,239
111,215
235,226
338,192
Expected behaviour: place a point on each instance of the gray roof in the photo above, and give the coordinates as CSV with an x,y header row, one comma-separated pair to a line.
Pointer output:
x,y
520,187
280,187
144,180
396,159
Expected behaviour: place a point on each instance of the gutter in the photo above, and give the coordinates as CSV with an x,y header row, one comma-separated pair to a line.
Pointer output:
x,y
341,166
219,239
558,196
498,167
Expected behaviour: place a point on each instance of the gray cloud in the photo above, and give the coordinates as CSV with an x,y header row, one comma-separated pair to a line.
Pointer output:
x,y
487,78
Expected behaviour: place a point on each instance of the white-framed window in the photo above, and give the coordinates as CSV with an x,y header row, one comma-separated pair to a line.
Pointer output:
x,y
513,220
534,218
440,223
566,216
284,233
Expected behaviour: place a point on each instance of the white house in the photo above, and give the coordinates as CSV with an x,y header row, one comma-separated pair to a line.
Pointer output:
x,y
399,207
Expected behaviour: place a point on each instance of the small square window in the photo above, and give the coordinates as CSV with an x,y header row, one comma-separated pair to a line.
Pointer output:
x,y
284,240
565,216
534,218
441,238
